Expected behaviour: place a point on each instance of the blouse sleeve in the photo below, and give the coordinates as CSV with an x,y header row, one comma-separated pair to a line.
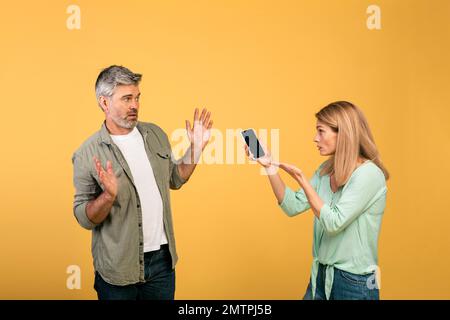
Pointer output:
x,y
296,202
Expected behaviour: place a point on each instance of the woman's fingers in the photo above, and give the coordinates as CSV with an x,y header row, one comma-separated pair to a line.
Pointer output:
x,y
286,166
248,153
290,168
283,166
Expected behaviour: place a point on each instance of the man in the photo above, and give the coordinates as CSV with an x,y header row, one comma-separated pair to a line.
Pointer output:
x,y
122,176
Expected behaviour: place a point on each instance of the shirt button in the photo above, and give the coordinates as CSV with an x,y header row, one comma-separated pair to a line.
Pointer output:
x,y
140,243
140,224
140,261
138,205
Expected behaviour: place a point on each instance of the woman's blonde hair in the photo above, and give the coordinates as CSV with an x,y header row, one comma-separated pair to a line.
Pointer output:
x,y
354,139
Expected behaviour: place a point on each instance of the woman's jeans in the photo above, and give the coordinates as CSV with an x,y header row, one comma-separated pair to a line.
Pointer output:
x,y
159,280
346,286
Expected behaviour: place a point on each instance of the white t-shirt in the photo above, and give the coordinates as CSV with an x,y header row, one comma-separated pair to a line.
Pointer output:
x,y
132,147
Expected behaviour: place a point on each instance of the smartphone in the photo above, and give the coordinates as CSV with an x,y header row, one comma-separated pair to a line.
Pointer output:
x,y
253,143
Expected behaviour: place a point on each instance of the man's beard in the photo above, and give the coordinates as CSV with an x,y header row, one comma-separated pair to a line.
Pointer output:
x,y
124,123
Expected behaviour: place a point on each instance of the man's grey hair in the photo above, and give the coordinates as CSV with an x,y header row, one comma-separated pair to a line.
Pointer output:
x,y
109,78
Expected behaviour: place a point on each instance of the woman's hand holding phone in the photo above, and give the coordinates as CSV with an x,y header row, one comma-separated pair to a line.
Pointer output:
x,y
265,160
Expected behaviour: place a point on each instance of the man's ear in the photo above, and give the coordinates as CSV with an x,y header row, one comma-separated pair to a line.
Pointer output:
x,y
104,104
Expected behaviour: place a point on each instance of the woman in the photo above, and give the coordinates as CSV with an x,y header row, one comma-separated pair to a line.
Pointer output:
x,y
347,195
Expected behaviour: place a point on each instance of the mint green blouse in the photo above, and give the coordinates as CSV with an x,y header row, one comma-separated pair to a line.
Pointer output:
x,y
346,234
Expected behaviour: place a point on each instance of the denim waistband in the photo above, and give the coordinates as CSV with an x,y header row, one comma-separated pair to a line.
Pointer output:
x,y
163,247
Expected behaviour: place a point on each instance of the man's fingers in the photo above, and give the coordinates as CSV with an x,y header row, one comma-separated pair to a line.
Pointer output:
x,y
109,167
97,165
188,125
100,176
209,125
196,114
99,168
206,121
95,161
202,116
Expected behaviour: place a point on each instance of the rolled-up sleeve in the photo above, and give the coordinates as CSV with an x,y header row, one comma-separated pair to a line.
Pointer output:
x,y
86,189
176,181
296,202
360,192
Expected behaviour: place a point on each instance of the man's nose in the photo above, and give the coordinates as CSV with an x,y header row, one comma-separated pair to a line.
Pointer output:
x,y
134,106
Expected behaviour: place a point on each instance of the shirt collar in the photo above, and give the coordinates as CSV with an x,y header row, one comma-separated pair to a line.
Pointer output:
x,y
106,138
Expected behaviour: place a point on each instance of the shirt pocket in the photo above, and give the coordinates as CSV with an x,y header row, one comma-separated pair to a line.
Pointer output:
x,y
163,157
163,153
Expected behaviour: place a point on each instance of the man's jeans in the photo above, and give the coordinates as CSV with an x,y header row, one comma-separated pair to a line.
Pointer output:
x,y
159,276
346,286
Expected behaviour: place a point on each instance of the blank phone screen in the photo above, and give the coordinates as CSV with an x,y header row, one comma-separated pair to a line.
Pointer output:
x,y
253,144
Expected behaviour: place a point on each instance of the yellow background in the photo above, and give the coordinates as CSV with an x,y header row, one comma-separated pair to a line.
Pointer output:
x,y
261,64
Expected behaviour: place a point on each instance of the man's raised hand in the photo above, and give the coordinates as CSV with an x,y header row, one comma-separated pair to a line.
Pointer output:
x,y
107,178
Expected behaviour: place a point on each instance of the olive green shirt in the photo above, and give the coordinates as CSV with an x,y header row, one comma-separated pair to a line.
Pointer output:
x,y
117,242
346,234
